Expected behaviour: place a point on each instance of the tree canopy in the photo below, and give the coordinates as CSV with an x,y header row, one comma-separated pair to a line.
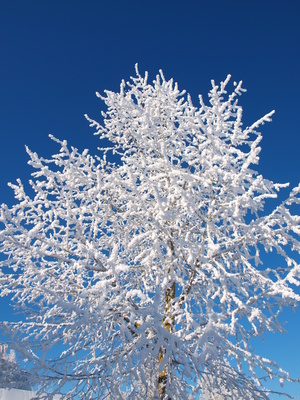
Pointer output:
x,y
145,272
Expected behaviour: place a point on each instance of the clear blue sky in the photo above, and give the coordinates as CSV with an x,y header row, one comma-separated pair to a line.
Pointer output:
x,y
56,53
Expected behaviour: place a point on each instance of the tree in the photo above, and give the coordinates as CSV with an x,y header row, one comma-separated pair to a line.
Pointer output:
x,y
140,271
11,376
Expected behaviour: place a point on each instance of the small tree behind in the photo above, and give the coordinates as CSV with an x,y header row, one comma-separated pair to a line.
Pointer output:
x,y
11,376
142,278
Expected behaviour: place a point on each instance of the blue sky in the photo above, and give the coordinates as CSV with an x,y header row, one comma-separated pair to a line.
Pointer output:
x,y
56,54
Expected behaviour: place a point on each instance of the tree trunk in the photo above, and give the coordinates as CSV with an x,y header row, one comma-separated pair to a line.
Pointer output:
x,y
168,322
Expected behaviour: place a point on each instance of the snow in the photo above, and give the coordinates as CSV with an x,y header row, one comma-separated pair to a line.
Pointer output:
x,y
16,394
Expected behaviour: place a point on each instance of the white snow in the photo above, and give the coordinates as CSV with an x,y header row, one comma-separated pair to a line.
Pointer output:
x,y
17,394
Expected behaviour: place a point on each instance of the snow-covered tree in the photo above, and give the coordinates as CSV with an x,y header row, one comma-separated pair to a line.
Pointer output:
x,y
140,271
11,376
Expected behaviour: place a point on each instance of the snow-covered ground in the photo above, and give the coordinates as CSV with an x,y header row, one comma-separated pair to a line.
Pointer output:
x,y
16,394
